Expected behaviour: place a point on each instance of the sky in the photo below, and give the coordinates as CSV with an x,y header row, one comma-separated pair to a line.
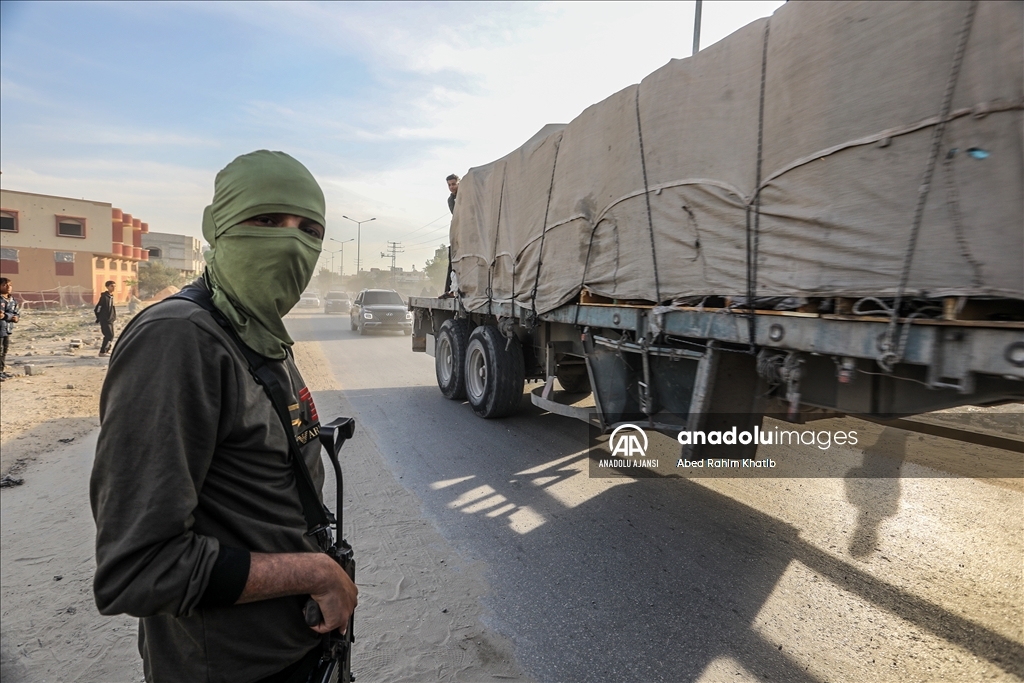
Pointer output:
x,y
140,103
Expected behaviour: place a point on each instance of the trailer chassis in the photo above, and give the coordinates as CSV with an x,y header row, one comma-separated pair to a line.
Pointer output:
x,y
678,368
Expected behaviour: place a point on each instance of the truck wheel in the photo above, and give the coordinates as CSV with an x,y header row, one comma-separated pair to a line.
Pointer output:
x,y
494,375
450,358
573,378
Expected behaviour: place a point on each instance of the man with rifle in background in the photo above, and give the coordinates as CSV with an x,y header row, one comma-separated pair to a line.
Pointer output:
x,y
206,488
8,316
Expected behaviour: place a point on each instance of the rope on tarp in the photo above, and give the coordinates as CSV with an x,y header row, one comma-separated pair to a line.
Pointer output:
x,y
532,319
586,266
754,206
494,252
647,198
925,310
956,217
891,349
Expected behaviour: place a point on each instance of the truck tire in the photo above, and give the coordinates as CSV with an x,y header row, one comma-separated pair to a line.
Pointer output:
x,y
450,358
494,373
573,378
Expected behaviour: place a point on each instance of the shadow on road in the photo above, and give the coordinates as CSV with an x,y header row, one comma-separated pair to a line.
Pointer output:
x,y
11,669
874,488
652,579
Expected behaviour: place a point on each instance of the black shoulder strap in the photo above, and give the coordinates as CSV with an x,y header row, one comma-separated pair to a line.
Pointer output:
x,y
317,522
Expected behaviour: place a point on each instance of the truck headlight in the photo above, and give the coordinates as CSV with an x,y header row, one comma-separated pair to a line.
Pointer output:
x,y
368,316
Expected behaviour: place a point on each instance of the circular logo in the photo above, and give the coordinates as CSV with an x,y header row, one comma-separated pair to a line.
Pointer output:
x,y
625,441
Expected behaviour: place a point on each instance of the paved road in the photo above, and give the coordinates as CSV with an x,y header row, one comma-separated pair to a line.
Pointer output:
x,y
832,579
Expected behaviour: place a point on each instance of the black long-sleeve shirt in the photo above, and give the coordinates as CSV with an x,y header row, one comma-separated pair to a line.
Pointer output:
x,y
191,475
105,310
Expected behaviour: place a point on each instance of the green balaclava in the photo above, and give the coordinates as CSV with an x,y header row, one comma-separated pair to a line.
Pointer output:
x,y
257,273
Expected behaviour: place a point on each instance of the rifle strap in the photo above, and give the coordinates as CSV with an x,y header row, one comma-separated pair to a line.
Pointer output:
x,y
317,520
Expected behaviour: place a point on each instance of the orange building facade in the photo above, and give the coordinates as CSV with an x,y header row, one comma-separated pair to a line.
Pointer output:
x,y
58,249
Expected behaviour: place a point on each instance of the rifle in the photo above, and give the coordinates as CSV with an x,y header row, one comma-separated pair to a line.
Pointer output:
x,y
335,665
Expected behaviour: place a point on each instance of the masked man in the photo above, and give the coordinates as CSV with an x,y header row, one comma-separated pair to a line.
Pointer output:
x,y
199,526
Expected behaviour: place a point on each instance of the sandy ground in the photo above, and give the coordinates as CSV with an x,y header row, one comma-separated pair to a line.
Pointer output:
x,y
419,616
59,401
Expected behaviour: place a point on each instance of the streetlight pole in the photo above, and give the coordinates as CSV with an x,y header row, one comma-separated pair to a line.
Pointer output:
x,y
342,250
359,241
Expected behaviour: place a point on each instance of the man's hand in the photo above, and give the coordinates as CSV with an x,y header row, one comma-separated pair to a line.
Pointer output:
x,y
275,575
337,601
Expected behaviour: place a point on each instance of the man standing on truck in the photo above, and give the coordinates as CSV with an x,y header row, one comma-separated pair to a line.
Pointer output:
x,y
453,187
200,529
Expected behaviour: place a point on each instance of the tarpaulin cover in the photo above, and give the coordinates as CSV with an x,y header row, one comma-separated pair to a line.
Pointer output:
x,y
653,193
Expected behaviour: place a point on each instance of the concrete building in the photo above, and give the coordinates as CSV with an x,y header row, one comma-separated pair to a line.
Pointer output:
x,y
181,252
50,246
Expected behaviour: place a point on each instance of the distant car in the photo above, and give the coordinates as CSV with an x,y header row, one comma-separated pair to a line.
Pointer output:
x,y
380,309
337,302
309,300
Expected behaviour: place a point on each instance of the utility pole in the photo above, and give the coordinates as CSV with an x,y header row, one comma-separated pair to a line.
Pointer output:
x,y
394,249
696,29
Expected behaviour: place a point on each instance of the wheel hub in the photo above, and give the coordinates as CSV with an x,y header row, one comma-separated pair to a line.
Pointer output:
x,y
445,356
476,377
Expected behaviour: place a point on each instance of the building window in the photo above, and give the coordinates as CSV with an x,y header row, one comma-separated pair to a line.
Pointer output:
x,y
101,264
9,261
69,226
124,265
154,252
8,221
64,262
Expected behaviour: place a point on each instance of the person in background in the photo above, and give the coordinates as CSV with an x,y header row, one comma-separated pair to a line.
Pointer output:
x,y
133,304
106,314
453,187
9,309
